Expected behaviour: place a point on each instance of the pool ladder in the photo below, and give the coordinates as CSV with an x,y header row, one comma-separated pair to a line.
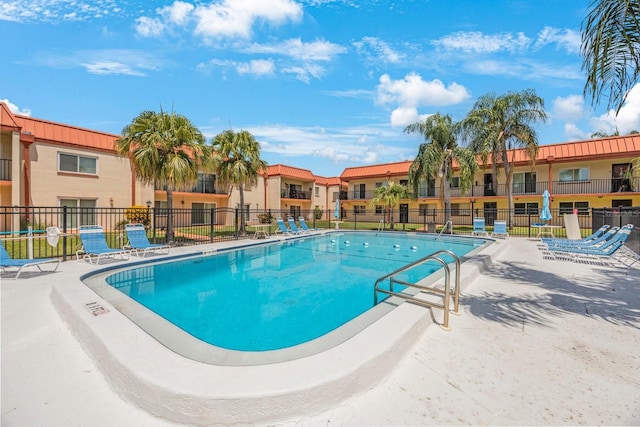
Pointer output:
x,y
447,294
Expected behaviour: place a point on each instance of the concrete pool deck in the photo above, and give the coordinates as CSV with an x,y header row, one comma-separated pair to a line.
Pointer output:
x,y
538,342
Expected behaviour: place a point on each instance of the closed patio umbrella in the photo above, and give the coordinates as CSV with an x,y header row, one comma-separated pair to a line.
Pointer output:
x,y
545,214
336,214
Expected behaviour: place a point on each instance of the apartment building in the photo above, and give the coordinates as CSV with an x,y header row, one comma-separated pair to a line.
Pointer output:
x,y
48,164
579,176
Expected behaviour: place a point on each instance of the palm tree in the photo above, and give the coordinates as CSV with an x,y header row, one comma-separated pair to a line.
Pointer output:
x,y
436,156
498,124
165,149
611,50
389,195
238,163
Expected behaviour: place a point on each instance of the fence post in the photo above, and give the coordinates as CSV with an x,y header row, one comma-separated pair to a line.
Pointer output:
x,y
64,233
30,241
236,224
212,221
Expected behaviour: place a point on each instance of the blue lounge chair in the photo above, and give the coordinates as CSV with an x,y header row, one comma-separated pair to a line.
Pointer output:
x,y
139,243
598,241
304,226
282,228
7,262
94,245
478,227
292,226
589,239
500,229
612,249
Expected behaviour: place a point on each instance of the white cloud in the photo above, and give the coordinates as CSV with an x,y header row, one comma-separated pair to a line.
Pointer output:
x,y
573,133
15,109
235,18
258,67
319,50
569,108
568,40
149,27
56,10
403,116
111,68
412,91
178,13
305,72
477,42
377,51
627,120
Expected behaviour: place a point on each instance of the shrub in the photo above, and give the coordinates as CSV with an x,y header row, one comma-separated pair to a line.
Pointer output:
x,y
266,218
137,214
318,213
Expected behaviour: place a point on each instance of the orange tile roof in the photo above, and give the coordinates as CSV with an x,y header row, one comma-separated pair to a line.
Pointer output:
x,y
321,180
290,172
372,171
57,133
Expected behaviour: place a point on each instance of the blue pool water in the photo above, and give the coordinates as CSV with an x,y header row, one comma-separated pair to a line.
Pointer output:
x,y
278,295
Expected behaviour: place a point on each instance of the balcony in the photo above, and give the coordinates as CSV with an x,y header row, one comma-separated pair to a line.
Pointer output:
x,y
557,188
5,169
295,194
199,189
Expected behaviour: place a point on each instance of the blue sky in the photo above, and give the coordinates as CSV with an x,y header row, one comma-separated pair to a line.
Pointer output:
x,y
322,84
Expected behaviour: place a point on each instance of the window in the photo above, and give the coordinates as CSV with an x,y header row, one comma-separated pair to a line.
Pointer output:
x,y
205,184
568,207
160,207
77,164
625,203
359,209
317,191
580,174
379,210
79,212
294,211
455,209
404,182
524,182
201,213
526,208
455,182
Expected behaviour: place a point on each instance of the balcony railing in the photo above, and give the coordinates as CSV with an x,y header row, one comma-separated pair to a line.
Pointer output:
x,y
590,186
200,189
295,194
5,169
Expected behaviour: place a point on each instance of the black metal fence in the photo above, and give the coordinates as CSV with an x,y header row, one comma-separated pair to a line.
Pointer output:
x,y
197,226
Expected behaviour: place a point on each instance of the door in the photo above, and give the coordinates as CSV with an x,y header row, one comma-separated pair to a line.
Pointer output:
x,y
619,178
488,185
404,213
490,212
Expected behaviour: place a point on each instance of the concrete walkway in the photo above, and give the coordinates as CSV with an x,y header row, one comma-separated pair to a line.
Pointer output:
x,y
539,342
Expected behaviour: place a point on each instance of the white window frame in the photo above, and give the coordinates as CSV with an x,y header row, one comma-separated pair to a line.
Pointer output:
x,y
78,157
582,174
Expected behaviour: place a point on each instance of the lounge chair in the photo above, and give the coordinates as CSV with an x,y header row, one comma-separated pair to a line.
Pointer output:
x,y
139,243
282,228
478,227
598,241
304,226
612,249
597,234
500,229
293,227
7,262
94,245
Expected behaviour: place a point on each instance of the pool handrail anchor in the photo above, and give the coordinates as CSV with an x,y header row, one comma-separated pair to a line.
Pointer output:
x,y
446,293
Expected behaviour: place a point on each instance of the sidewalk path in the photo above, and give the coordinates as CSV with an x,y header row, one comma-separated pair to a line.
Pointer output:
x,y
539,342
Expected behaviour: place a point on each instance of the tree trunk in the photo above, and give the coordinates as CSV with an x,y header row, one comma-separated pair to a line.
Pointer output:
x,y
390,217
169,235
446,189
508,171
242,218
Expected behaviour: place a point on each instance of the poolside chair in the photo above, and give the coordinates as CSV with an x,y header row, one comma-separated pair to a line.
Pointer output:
x,y
304,226
7,262
589,239
282,228
94,245
139,243
598,241
293,227
478,227
614,249
500,229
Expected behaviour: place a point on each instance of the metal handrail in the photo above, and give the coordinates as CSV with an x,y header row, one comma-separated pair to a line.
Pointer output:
x,y
447,285
444,227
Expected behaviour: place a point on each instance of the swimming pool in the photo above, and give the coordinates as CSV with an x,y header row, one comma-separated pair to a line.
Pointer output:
x,y
279,295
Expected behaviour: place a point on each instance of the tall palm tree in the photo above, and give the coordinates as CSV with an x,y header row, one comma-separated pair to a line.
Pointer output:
x,y
238,163
165,149
498,124
436,157
389,195
611,50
